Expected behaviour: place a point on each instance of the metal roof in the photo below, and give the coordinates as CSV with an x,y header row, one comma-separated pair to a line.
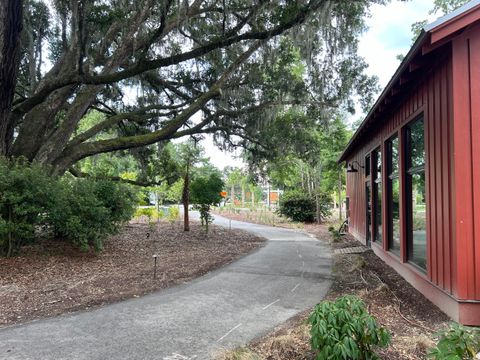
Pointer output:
x,y
462,9
421,39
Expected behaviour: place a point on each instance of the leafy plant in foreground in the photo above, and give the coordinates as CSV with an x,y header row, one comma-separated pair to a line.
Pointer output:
x,y
457,343
345,330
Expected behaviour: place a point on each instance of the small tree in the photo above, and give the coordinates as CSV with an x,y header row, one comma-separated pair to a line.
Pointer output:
x,y
205,192
190,154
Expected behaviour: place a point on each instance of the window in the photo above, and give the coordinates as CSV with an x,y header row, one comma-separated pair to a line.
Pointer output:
x,y
393,195
367,166
415,193
368,198
377,194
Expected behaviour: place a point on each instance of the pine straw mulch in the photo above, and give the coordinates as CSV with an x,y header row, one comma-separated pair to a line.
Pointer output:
x,y
52,278
410,318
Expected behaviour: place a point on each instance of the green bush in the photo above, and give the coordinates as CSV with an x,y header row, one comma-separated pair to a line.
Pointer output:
x,y
173,213
25,194
457,343
82,211
88,211
344,330
150,212
297,206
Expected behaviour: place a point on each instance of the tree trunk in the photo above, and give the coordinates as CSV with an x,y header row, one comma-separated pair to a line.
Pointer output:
x,y
253,198
319,215
10,29
243,195
232,194
186,198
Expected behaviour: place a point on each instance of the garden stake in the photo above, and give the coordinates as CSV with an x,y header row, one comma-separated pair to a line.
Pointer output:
x,y
155,266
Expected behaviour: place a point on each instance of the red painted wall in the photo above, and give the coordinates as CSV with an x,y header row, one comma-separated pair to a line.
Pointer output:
x,y
466,152
432,97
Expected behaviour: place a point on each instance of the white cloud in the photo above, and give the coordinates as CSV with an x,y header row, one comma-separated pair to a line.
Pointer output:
x,y
389,35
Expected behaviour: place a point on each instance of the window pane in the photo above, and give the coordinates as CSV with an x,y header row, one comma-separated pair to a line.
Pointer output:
x,y
393,152
418,250
416,144
378,211
378,165
395,216
367,165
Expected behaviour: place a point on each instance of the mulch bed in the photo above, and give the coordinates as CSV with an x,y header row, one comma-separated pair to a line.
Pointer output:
x,y
410,318
52,278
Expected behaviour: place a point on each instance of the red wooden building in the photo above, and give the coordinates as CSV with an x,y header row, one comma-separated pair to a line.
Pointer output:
x,y
413,167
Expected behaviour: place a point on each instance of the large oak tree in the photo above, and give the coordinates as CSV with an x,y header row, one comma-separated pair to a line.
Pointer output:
x,y
149,66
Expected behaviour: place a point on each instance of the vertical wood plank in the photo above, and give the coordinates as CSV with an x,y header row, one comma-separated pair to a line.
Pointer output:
x,y
474,73
446,271
463,166
438,175
433,192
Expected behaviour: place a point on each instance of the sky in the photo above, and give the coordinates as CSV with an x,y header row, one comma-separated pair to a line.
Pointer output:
x,y
388,35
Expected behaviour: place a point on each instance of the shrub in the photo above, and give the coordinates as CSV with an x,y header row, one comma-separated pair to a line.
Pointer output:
x,y
344,330
25,194
85,211
149,212
173,213
297,206
82,211
457,343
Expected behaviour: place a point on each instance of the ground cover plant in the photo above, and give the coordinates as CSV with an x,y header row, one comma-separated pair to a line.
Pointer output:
x,y
343,329
457,343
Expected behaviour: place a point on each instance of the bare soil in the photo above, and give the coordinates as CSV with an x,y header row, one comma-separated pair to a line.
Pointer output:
x,y
53,277
411,319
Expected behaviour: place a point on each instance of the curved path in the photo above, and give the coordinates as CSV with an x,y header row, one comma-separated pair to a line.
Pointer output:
x,y
223,309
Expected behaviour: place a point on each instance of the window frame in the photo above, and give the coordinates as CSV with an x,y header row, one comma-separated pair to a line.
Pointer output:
x,y
392,176
377,185
410,171
368,199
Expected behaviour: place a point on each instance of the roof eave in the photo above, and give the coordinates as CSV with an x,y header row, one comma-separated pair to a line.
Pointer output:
x,y
403,65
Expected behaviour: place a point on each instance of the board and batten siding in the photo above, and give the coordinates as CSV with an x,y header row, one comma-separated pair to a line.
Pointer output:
x,y
431,97
466,150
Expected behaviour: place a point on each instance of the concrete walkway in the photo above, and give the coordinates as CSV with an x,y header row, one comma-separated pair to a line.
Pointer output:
x,y
220,310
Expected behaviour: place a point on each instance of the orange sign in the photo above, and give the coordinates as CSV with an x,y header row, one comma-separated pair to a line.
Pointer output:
x,y
223,193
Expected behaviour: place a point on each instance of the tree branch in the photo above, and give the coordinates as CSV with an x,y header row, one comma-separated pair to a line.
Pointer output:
x,y
143,66
71,154
79,174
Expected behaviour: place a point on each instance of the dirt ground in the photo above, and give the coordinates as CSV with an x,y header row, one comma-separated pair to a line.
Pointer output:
x,y
52,278
411,319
